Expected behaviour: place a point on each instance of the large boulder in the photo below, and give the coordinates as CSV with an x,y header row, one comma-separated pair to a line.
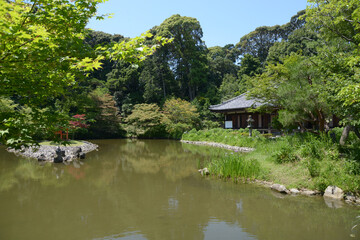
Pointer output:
x,y
334,192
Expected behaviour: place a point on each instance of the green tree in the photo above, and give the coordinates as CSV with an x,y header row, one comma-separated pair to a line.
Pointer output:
x,y
334,20
186,54
339,18
42,53
145,120
157,79
97,39
221,62
179,116
41,41
106,120
296,87
230,87
303,40
258,42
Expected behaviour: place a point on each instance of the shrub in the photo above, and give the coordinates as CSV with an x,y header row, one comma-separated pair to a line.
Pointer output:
x,y
143,120
179,116
285,155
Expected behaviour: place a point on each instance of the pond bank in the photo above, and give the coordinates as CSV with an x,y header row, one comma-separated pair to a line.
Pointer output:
x,y
220,145
332,194
48,152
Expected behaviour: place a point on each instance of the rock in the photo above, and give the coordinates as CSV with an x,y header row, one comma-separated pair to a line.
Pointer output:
x,y
308,193
59,155
334,192
279,188
82,155
67,158
58,159
294,191
42,158
350,197
63,153
76,150
204,171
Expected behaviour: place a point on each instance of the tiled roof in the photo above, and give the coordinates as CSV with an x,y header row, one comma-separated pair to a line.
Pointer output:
x,y
239,102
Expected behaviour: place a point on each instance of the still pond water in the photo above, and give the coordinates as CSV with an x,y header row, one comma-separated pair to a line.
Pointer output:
x,y
151,190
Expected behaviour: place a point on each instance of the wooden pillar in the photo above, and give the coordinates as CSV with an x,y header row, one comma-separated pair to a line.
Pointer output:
x,y
260,121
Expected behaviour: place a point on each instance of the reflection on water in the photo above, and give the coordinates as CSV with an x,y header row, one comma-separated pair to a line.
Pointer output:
x,y
151,190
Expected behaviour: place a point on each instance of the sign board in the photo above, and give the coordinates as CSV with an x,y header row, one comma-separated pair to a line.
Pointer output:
x,y
228,124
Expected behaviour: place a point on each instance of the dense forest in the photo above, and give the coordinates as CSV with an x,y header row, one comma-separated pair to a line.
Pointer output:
x,y
308,67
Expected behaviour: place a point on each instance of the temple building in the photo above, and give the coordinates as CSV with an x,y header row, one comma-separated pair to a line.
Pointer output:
x,y
236,111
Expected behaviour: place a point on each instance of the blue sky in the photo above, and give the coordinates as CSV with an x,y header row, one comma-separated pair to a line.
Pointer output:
x,y
222,21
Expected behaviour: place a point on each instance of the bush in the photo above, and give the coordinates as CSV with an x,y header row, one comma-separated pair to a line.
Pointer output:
x,y
144,120
179,116
285,155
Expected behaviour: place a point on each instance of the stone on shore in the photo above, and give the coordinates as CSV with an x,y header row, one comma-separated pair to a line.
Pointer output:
x,y
294,191
41,158
279,188
334,192
308,193
204,171
220,145
82,155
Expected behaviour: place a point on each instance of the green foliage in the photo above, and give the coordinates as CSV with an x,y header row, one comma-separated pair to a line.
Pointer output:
x,y
238,138
306,160
179,116
43,55
298,88
234,166
186,53
221,61
303,40
258,42
336,18
250,66
145,119
285,155
230,87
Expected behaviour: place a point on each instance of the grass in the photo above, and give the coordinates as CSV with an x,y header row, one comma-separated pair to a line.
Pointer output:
x,y
297,161
235,166
71,143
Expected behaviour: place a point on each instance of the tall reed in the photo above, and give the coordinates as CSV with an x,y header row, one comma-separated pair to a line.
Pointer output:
x,y
234,166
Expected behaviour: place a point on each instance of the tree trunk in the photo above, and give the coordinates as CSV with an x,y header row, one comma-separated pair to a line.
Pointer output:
x,y
345,135
321,121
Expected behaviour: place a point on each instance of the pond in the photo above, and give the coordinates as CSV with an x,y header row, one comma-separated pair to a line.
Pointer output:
x,y
150,189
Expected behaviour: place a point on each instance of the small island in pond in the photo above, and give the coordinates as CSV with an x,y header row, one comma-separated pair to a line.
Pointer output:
x,y
53,152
